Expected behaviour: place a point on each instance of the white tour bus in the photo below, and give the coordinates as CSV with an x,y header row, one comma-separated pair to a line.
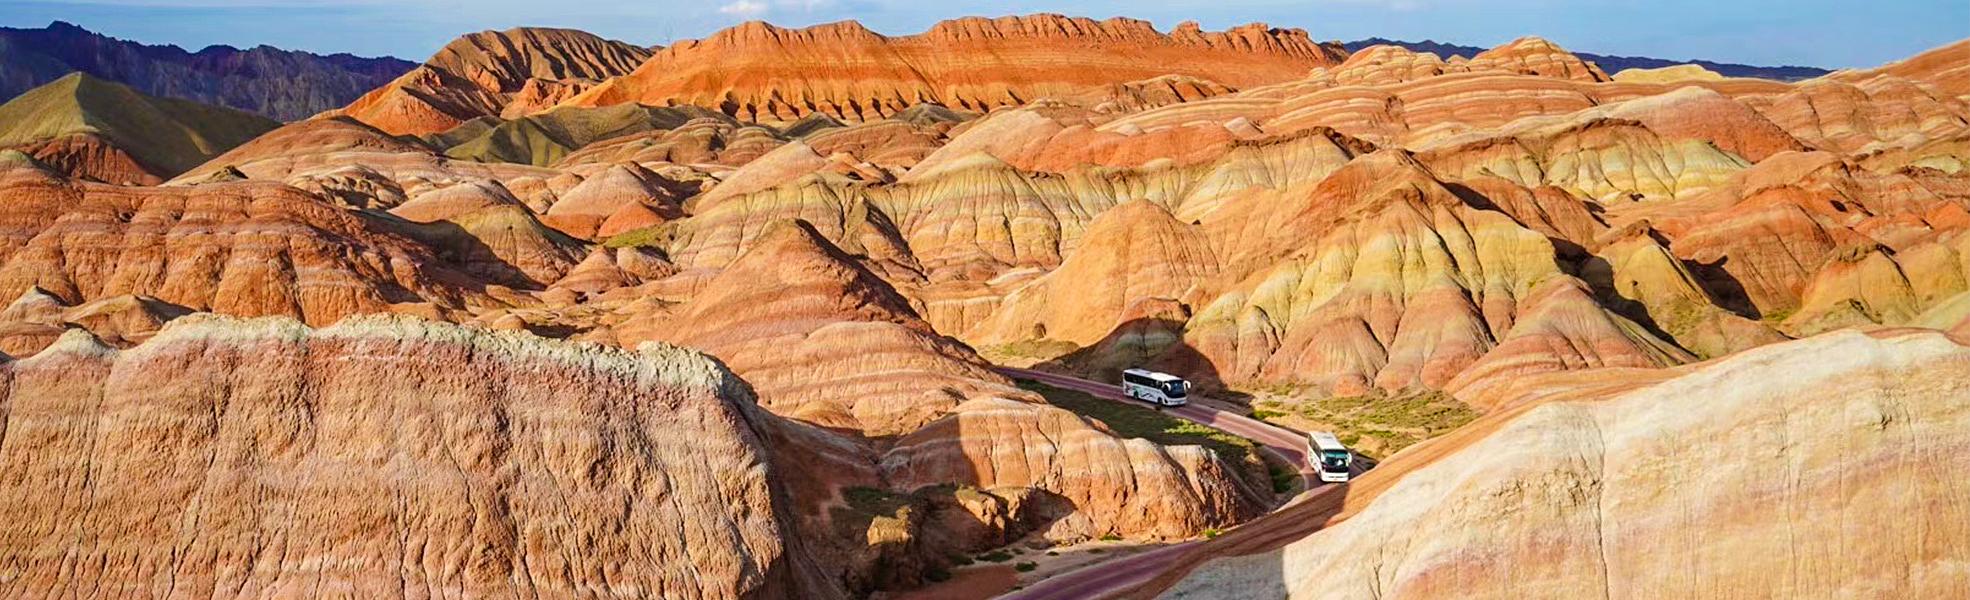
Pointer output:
x,y
1160,388
1334,459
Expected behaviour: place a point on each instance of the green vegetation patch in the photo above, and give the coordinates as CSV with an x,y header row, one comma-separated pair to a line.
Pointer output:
x,y
1375,425
654,236
1041,349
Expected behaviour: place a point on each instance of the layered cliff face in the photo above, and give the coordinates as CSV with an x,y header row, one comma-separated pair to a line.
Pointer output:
x,y
476,463
1764,478
758,72
280,84
494,73
247,249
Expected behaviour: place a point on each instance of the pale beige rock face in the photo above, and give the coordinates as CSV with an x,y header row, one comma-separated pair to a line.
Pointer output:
x,y
475,464
1825,467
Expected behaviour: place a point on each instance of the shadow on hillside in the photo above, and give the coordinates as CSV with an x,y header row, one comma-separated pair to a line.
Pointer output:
x,y
1153,343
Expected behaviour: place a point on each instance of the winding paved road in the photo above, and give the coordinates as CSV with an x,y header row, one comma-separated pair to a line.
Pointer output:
x,y
1288,445
1113,576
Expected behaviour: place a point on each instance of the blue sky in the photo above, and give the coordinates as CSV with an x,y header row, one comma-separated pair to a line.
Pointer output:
x,y
1823,33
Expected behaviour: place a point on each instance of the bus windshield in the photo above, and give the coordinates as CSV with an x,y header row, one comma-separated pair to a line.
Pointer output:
x,y
1174,389
1334,460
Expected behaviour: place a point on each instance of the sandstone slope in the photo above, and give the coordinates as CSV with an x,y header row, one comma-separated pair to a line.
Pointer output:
x,y
494,73
1761,477
476,463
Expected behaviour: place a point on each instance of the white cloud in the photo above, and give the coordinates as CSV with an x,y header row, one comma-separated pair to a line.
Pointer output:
x,y
746,9
805,5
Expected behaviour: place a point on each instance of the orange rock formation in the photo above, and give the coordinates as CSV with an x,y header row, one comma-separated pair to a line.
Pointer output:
x,y
510,73
760,72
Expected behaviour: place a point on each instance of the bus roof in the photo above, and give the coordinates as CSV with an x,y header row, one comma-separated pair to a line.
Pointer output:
x,y
1325,441
1153,375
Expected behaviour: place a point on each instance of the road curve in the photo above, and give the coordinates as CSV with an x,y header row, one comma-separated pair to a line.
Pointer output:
x,y
1287,444
1121,574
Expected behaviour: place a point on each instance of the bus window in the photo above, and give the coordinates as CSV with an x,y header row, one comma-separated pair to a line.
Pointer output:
x,y
1334,460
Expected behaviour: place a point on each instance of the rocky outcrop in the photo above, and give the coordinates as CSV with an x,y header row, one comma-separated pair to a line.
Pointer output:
x,y
482,229
1111,486
285,85
483,74
1782,234
1584,490
89,156
477,463
759,72
1132,258
1537,56
247,249
623,198
786,313
1846,116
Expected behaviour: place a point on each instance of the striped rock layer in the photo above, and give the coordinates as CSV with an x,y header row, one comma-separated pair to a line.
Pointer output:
x,y
758,72
1824,481
387,457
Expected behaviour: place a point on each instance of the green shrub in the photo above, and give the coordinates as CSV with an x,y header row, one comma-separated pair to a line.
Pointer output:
x,y
997,556
1025,566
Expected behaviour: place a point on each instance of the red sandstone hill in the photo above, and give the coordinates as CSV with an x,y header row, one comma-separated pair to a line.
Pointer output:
x,y
1471,235
512,72
757,71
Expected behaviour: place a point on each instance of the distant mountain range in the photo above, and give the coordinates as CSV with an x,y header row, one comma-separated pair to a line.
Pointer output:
x,y
282,84
288,85
1611,64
